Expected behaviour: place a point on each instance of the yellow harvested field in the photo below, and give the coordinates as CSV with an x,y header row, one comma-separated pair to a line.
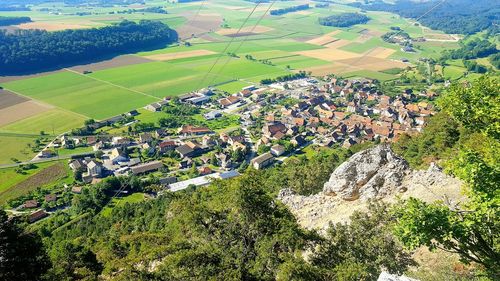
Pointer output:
x,y
335,67
355,64
257,29
180,55
21,111
363,38
337,44
304,13
371,32
329,54
324,39
373,63
51,26
381,52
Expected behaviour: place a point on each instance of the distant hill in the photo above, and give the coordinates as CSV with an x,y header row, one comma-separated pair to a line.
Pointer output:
x,y
457,16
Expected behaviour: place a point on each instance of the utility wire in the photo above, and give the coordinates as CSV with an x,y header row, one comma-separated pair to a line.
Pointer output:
x,y
244,40
227,46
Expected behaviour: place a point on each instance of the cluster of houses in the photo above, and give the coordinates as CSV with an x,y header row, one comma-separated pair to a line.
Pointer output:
x,y
338,112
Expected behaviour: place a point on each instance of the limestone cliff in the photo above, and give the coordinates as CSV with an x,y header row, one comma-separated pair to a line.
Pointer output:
x,y
376,174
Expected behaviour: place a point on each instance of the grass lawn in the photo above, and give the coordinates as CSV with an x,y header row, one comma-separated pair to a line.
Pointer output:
x,y
346,35
55,120
77,150
80,94
15,147
233,87
120,201
453,72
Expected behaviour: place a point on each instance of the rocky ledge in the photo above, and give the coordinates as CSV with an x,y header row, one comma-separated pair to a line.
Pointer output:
x,y
376,173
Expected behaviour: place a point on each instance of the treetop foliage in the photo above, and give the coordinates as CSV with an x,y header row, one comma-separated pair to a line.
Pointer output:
x,y
472,228
344,20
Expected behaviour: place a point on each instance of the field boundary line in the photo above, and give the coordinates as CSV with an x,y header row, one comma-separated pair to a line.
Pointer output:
x,y
112,84
52,106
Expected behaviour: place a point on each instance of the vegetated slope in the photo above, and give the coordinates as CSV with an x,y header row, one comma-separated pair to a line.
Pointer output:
x,y
232,230
32,50
457,16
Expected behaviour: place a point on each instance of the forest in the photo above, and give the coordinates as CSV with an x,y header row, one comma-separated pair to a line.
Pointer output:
x,y
344,20
33,50
236,230
473,49
457,17
4,21
283,11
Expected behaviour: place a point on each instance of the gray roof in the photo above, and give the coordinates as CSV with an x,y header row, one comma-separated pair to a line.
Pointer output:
x,y
147,167
263,158
184,149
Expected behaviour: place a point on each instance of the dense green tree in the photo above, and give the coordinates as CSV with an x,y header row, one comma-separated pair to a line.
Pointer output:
x,y
32,50
344,20
455,17
476,107
363,247
73,262
22,254
470,229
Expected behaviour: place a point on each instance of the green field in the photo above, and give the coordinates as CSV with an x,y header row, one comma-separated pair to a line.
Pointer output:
x,y
15,147
53,121
80,94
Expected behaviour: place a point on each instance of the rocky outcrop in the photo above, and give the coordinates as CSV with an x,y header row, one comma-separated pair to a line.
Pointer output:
x,y
376,173
372,173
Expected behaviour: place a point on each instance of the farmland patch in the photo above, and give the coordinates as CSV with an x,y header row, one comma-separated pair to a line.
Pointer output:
x,y
8,99
180,55
51,26
325,39
54,120
21,111
48,175
202,23
381,52
80,94
114,62
232,32
329,54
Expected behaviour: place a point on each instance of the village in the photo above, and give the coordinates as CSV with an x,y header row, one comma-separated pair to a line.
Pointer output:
x,y
276,121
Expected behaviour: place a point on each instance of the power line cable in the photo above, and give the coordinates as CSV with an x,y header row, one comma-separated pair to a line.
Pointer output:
x,y
244,39
227,46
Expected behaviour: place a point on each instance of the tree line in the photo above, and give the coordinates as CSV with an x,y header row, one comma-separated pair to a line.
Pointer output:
x,y
284,78
344,20
4,21
283,11
33,50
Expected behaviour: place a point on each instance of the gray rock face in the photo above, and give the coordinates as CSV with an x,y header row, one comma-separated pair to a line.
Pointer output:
x,y
372,173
